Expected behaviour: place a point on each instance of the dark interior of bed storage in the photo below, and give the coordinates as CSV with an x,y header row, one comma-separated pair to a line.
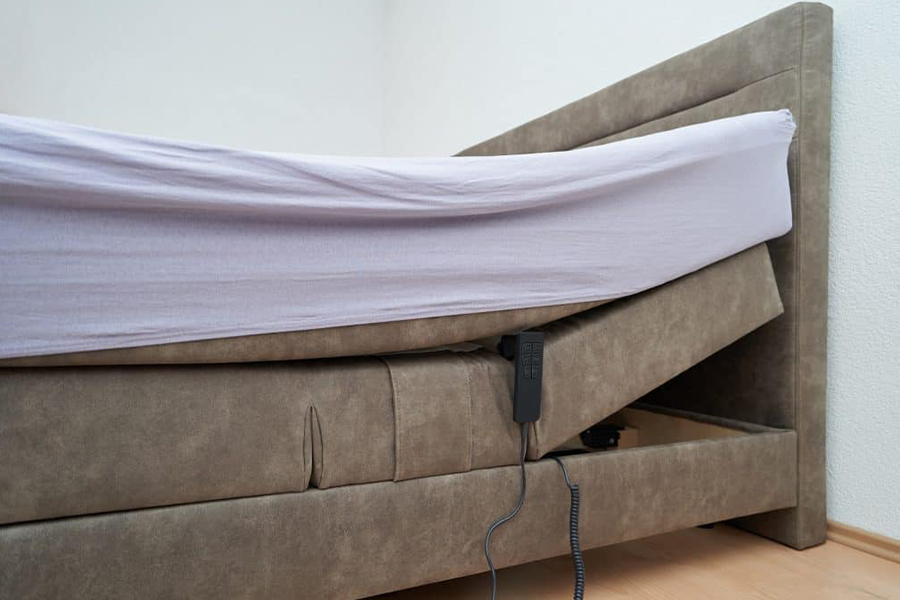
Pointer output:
x,y
641,426
681,469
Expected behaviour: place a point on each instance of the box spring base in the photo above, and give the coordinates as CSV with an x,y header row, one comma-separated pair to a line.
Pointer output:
x,y
360,540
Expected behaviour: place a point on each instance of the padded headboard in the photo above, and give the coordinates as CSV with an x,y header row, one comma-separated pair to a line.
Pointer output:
x,y
775,376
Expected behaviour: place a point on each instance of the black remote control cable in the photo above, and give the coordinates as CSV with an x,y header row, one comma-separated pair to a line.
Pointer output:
x,y
509,516
527,350
574,543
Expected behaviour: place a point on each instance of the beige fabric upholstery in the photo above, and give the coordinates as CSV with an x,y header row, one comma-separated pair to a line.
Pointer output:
x,y
355,541
598,361
791,351
76,441
432,415
353,427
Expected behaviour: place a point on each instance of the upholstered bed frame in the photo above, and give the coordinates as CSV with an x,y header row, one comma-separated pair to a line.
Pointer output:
x,y
775,376
150,473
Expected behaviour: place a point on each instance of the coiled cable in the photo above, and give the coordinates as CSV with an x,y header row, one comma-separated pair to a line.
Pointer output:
x,y
574,543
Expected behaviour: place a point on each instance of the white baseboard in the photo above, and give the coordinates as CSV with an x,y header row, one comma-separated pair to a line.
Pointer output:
x,y
863,540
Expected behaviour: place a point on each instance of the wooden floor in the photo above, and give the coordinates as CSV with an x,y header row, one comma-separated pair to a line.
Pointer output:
x,y
714,563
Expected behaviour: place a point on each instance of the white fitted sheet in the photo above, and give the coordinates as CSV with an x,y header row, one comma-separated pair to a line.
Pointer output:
x,y
110,240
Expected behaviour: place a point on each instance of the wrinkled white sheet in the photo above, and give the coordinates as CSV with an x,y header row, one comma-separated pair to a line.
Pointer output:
x,y
110,240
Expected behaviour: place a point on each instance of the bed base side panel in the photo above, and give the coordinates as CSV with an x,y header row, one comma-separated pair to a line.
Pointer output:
x,y
356,541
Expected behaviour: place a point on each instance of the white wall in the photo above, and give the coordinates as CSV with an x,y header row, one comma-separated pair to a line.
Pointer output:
x,y
433,76
462,71
286,75
864,286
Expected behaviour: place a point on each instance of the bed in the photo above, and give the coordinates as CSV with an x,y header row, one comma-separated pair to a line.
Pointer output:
x,y
356,459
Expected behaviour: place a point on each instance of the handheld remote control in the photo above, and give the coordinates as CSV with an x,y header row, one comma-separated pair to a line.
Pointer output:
x,y
527,350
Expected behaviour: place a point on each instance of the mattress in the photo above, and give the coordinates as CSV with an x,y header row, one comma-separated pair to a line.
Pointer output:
x,y
115,241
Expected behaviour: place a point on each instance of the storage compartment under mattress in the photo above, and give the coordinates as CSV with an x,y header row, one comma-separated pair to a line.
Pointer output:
x,y
640,425
689,469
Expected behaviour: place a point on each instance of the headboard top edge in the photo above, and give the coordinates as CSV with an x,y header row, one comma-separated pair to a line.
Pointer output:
x,y
752,52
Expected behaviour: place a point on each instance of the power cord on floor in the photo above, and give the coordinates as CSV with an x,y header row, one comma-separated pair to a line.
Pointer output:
x,y
574,544
509,516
